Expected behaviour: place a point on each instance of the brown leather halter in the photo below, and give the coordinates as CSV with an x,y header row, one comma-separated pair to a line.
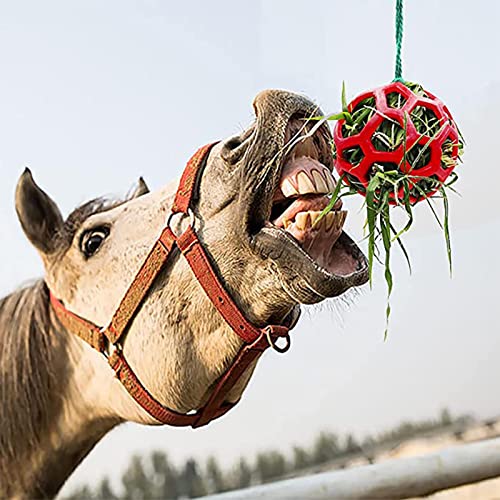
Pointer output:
x,y
109,340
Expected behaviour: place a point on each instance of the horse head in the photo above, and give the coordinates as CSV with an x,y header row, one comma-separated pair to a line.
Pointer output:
x,y
256,211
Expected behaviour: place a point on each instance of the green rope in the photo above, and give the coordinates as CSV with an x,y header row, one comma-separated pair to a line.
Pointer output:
x,y
398,74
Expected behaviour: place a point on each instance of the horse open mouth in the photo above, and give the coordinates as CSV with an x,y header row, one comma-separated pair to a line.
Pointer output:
x,y
302,192
315,244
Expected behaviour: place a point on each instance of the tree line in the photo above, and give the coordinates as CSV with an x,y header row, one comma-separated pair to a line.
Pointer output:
x,y
155,476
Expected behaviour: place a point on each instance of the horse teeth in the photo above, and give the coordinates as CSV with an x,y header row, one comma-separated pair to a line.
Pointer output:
x,y
336,222
344,216
302,220
288,189
314,220
321,185
330,181
329,220
340,217
305,184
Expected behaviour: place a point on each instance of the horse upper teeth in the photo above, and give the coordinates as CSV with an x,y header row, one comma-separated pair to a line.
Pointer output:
x,y
305,184
329,180
321,186
304,175
288,189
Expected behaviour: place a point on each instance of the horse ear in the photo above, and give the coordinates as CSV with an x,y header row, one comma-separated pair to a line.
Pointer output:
x,y
39,216
139,189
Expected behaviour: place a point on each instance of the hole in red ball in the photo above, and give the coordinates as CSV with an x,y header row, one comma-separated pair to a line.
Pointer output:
x,y
395,100
383,166
353,155
448,159
425,120
418,156
388,136
360,116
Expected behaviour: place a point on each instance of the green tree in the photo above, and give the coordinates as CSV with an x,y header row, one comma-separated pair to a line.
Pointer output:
x,y
270,465
191,483
166,478
351,445
445,417
301,458
81,493
136,484
242,475
105,491
326,447
215,477
368,444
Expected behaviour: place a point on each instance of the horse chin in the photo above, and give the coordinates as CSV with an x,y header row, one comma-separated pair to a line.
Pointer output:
x,y
306,280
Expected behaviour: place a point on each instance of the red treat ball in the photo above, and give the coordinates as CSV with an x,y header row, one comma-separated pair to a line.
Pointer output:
x,y
371,139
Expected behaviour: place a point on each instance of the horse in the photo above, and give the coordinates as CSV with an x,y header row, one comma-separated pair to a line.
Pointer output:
x,y
256,206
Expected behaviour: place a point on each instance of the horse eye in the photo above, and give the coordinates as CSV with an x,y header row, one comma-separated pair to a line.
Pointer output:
x,y
92,240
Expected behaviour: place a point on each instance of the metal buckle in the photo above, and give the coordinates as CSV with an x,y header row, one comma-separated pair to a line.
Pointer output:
x,y
190,213
110,348
274,345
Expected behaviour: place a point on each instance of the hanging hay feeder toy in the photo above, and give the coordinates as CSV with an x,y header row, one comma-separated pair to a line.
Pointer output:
x,y
396,145
400,130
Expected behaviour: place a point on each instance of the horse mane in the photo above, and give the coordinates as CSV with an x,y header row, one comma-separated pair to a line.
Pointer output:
x,y
31,358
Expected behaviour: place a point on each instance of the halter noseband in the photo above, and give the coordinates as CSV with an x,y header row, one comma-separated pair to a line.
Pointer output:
x,y
255,340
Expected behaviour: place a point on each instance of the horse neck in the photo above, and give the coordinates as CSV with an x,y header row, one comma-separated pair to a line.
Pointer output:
x,y
50,420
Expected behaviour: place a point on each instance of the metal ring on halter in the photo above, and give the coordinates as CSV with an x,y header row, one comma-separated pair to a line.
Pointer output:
x,y
273,344
110,348
192,218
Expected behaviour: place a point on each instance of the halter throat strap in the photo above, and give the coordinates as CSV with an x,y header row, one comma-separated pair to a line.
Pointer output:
x,y
109,340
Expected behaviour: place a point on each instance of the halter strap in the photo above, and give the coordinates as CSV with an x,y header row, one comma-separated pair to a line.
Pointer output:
x,y
255,340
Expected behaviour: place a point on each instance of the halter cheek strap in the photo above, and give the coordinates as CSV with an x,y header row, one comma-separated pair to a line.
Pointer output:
x,y
255,340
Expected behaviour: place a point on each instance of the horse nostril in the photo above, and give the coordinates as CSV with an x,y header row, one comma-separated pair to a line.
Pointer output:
x,y
233,150
233,142
235,147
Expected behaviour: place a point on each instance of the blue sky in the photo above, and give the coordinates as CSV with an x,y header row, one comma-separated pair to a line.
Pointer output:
x,y
94,94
